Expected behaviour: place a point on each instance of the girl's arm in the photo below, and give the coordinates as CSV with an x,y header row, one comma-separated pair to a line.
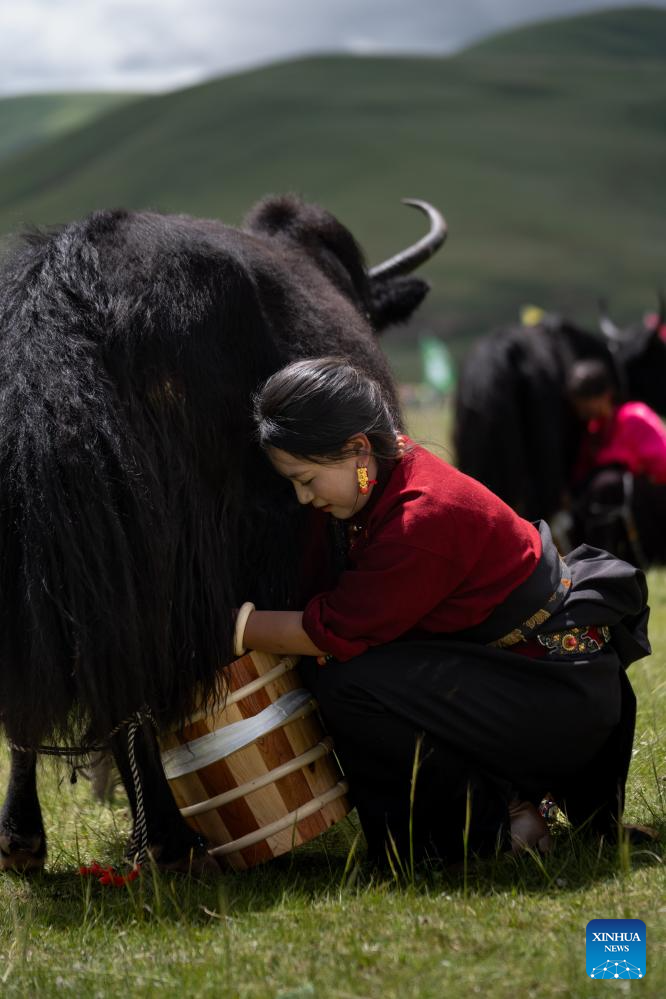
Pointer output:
x,y
280,632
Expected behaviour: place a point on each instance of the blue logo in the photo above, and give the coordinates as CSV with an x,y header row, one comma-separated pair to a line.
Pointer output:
x,y
615,948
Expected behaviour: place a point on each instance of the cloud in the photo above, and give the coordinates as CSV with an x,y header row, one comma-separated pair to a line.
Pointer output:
x,y
162,44
76,44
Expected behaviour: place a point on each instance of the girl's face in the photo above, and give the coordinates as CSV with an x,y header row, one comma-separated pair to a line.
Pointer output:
x,y
331,487
598,407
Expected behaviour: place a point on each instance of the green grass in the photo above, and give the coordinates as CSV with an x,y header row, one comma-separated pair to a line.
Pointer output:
x,y
544,147
318,923
311,925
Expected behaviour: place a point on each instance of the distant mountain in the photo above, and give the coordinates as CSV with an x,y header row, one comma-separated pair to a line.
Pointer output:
x,y
633,33
28,121
545,147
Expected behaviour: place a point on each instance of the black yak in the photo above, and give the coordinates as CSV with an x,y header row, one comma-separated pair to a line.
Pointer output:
x,y
135,510
515,428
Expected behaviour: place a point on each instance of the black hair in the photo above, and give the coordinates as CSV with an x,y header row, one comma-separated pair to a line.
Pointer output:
x,y
311,408
589,379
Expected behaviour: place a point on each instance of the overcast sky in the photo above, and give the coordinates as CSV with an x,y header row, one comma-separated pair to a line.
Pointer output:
x,y
165,44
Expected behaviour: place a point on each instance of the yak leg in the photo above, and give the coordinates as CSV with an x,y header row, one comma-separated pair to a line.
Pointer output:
x,y
22,835
172,844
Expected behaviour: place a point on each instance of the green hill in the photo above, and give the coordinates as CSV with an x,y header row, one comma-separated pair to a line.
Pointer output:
x,y
28,121
545,147
635,33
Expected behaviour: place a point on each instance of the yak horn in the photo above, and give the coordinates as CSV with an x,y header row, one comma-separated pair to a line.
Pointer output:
x,y
409,259
606,324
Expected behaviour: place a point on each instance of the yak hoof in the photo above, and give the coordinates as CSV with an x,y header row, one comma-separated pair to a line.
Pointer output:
x,y
22,853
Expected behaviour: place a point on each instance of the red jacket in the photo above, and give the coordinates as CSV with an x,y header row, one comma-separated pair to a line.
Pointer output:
x,y
432,551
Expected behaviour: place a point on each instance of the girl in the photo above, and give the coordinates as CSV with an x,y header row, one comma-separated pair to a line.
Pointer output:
x,y
629,434
435,614
618,483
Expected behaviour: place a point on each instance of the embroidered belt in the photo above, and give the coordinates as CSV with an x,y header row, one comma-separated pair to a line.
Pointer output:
x,y
529,627
570,642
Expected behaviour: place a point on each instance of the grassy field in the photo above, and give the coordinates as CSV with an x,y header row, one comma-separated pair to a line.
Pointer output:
x,y
319,924
544,147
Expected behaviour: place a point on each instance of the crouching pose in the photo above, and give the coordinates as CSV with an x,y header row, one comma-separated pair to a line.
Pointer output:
x,y
434,613
619,480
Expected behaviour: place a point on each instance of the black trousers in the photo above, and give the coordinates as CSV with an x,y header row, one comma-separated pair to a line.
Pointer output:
x,y
493,724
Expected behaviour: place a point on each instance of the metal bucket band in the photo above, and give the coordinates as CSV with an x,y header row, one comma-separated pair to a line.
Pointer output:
x,y
321,749
224,741
259,835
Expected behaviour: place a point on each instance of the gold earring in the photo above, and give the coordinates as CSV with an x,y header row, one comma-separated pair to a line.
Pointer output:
x,y
364,482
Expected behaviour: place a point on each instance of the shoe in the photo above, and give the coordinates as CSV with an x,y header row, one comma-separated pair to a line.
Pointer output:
x,y
529,830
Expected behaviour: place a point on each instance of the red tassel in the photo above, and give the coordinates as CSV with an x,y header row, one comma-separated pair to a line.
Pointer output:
x,y
108,875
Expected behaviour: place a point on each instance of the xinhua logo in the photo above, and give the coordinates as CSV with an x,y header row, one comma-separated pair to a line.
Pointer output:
x,y
615,948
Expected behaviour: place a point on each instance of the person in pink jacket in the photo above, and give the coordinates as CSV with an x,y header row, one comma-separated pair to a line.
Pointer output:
x,y
630,434
618,439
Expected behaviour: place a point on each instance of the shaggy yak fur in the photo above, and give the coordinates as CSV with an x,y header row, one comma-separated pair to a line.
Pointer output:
x,y
515,429
135,510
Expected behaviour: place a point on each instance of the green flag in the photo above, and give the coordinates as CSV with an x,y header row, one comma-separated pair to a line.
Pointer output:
x,y
438,370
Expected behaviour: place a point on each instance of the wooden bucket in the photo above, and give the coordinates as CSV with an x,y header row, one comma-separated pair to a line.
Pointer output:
x,y
257,777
